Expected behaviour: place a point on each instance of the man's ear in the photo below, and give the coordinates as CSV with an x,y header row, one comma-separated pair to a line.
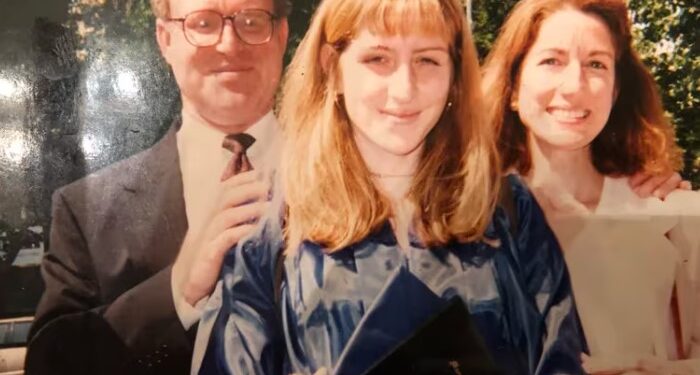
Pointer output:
x,y
163,38
283,32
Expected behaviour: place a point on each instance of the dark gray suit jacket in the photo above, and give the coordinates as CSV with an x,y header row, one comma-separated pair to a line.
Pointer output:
x,y
108,305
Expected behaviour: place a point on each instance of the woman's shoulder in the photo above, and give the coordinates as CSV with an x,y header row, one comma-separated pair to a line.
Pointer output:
x,y
520,216
687,201
516,184
258,252
516,200
520,192
618,198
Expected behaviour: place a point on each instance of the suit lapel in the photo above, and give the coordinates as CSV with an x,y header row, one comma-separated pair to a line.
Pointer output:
x,y
154,194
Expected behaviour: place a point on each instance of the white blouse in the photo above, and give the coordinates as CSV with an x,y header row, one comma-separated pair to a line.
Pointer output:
x,y
624,260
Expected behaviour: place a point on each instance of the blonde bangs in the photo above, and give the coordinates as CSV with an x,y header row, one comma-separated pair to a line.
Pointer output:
x,y
405,17
393,17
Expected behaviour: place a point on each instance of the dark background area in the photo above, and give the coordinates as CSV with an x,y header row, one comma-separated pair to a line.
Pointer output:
x,y
20,14
23,136
82,85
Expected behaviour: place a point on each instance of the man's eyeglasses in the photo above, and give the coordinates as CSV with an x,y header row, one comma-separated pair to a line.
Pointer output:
x,y
203,28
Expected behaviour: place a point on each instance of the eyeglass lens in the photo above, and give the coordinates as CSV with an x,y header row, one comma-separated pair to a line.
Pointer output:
x,y
203,28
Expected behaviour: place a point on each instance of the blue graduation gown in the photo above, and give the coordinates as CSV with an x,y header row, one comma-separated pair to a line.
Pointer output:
x,y
345,310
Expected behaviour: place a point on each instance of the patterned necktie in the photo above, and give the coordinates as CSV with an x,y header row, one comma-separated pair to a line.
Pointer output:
x,y
238,144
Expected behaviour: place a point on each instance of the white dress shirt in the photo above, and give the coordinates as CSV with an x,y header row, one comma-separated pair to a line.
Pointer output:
x,y
202,161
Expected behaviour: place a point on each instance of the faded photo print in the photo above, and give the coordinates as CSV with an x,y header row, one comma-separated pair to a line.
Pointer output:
x,y
349,187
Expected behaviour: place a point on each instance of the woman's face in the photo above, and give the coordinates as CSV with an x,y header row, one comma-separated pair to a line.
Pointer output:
x,y
567,81
395,88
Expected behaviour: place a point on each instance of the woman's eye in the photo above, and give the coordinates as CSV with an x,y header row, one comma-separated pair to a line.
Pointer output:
x,y
597,65
377,59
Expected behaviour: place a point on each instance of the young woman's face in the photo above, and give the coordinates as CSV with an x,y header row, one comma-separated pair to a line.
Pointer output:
x,y
395,88
567,80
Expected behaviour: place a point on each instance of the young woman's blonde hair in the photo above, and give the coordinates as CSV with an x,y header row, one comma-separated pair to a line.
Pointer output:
x,y
637,137
330,197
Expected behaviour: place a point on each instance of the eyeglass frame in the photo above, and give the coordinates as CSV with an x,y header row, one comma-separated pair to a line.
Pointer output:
x,y
273,21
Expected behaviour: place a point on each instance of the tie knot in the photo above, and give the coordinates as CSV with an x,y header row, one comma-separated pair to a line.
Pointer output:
x,y
238,142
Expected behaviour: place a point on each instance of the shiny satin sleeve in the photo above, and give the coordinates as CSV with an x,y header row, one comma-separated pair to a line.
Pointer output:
x,y
546,279
246,337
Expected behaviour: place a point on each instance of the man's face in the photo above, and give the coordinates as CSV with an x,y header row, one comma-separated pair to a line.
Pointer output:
x,y
230,84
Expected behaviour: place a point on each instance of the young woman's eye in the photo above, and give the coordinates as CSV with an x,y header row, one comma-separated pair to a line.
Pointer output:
x,y
428,61
550,61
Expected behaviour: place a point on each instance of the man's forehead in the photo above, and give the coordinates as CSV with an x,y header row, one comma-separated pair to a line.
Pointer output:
x,y
179,8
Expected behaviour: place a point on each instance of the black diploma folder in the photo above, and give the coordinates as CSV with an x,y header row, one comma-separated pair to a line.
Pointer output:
x,y
446,344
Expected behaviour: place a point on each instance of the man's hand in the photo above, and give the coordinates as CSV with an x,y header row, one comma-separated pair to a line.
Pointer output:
x,y
242,202
660,186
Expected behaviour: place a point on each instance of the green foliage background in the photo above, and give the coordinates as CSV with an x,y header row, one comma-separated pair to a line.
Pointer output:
x,y
667,36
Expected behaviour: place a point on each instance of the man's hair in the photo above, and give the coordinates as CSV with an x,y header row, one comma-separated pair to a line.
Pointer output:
x,y
329,191
637,136
161,8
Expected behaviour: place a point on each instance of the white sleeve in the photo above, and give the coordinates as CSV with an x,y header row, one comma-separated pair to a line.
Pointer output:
x,y
188,314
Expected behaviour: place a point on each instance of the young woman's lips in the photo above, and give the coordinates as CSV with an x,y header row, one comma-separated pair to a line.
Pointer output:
x,y
400,115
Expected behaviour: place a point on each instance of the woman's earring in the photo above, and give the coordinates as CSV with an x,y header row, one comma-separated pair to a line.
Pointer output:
x,y
449,104
338,100
514,106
